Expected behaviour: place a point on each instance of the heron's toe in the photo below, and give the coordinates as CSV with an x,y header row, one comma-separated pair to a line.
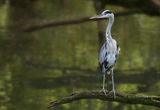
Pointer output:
x,y
114,93
104,91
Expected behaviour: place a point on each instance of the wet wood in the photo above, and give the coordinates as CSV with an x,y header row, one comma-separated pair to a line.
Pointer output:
x,y
120,97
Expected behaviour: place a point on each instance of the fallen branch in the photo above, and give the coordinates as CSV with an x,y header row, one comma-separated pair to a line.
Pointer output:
x,y
120,97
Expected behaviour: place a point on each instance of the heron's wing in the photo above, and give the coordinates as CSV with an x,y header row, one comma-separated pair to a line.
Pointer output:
x,y
106,59
118,49
103,54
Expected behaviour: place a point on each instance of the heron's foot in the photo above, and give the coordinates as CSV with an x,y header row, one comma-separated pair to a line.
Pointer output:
x,y
114,93
104,91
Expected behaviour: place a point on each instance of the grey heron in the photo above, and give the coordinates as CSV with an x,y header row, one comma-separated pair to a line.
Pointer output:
x,y
109,50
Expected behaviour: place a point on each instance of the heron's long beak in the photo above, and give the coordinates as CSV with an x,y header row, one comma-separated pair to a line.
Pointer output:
x,y
96,17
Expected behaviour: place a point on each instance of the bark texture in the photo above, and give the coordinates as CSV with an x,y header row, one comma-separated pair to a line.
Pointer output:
x,y
120,97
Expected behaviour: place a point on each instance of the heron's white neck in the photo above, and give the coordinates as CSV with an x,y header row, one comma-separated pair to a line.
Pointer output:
x,y
108,29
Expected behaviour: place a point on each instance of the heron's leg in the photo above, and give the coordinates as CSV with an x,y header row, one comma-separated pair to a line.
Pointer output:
x,y
103,81
113,84
103,90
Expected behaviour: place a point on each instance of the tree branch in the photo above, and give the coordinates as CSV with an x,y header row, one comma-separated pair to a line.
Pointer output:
x,y
155,3
120,97
69,22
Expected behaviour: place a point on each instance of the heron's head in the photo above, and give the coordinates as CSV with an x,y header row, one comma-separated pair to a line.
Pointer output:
x,y
104,14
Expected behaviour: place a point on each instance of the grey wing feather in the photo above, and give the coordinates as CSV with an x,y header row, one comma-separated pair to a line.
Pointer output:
x,y
118,49
103,52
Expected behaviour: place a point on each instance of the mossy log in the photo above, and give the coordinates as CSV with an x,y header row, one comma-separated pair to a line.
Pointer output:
x,y
120,97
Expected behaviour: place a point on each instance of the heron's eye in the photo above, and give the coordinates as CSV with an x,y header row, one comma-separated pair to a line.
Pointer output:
x,y
107,12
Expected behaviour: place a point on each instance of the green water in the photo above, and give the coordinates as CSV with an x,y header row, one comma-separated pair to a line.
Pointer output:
x,y
45,65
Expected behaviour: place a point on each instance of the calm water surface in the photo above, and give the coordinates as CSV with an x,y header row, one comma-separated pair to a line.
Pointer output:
x,y
44,65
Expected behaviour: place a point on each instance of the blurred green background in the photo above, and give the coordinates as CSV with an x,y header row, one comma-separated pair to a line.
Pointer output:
x,y
44,65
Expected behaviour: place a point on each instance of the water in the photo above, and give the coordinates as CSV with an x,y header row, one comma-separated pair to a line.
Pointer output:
x,y
45,65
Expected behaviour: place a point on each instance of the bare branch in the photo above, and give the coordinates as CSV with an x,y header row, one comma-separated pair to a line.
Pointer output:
x,y
155,3
69,22
120,97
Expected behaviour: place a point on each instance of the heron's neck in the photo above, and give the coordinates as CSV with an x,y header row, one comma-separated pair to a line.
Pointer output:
x,y
108,29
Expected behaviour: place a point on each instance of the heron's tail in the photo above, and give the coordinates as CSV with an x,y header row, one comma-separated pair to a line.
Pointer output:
x,y
102,69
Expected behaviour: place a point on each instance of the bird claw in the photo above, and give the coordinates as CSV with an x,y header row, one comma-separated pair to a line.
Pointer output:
x,y
104,91
114,93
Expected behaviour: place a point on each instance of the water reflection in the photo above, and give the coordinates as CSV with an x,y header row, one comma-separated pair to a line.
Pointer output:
x,y
45,65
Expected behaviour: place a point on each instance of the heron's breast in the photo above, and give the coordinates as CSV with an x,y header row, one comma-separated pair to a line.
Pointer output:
x,y
111,49
111,59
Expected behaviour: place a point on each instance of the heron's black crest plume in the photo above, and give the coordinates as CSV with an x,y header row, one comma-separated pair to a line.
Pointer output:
x,y
107,12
